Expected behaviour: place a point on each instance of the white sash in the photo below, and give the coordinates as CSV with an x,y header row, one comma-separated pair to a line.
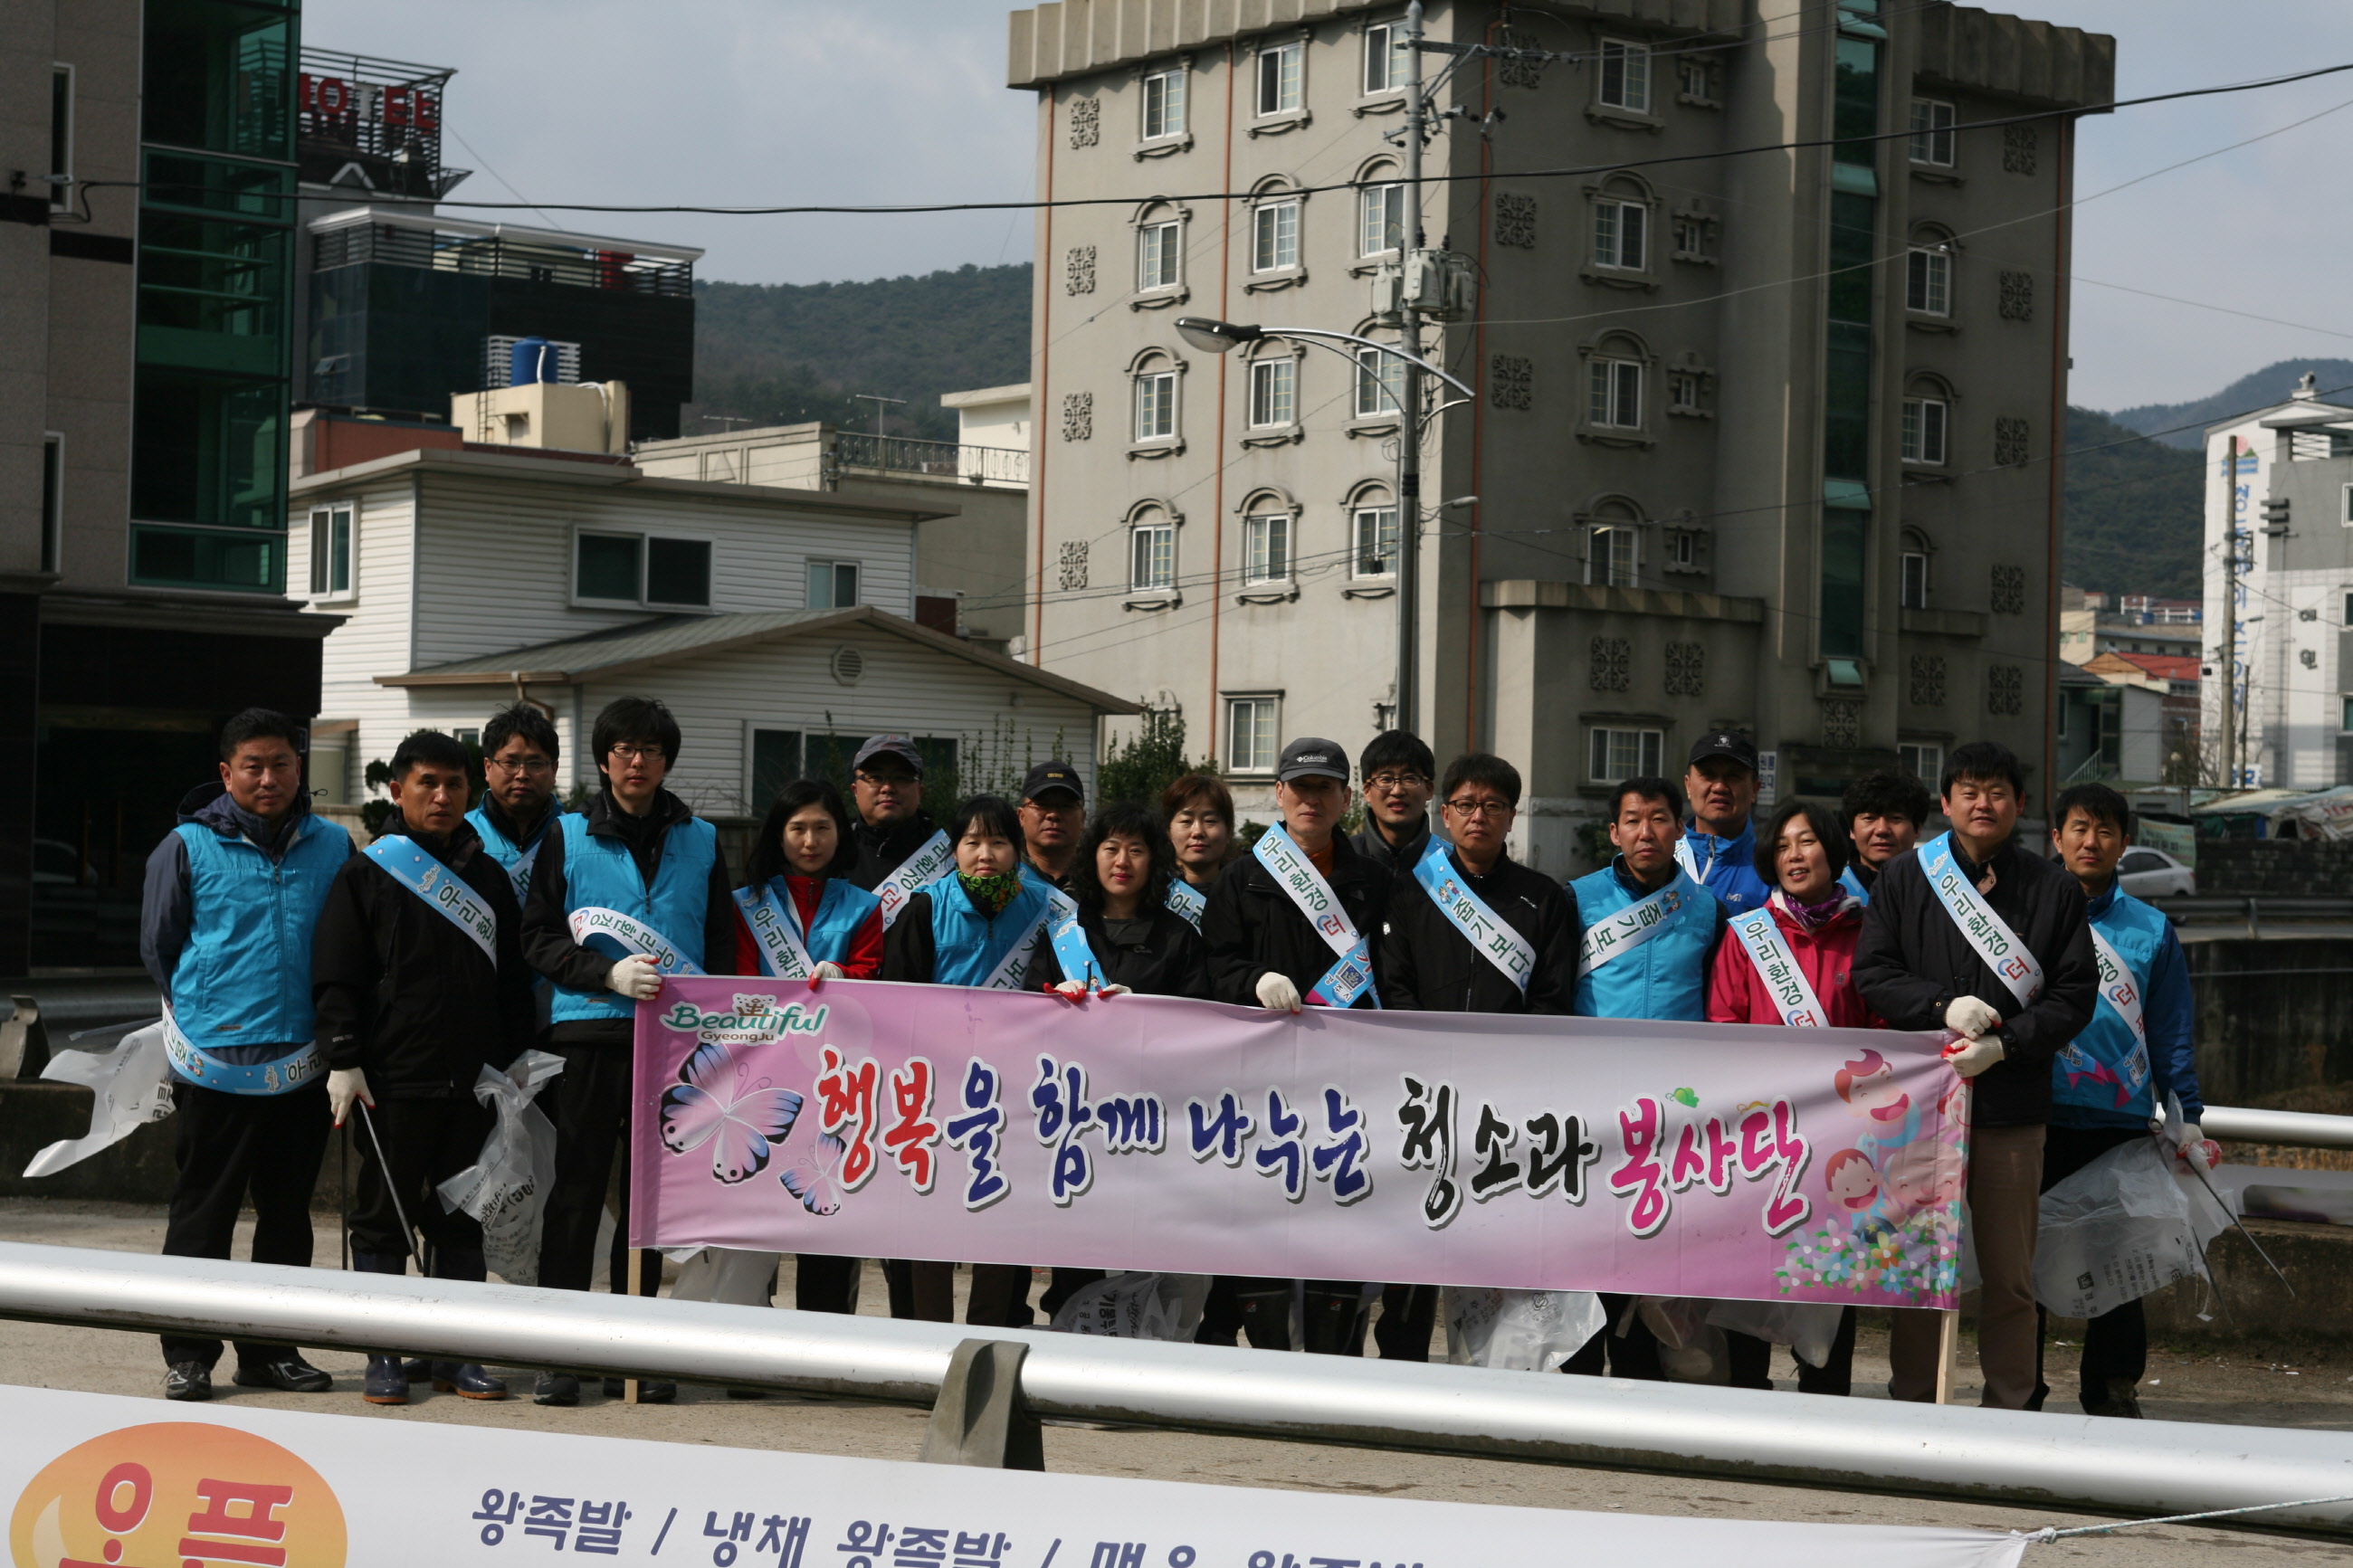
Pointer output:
x,y
443,890
634,935
1501,946
777,932
519,872
1690,862
1352,976
1187,901
1793,994
196,1064
2120,991
1012,971
926,865
1982,929
1631,927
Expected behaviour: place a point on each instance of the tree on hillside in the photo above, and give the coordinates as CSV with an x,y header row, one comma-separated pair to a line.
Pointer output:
x,y
2134,511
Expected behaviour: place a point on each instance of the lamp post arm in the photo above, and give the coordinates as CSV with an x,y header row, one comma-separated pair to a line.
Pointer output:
x,y
1415,360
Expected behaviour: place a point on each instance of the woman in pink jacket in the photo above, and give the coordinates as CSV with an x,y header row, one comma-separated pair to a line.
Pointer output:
x,y
1814,923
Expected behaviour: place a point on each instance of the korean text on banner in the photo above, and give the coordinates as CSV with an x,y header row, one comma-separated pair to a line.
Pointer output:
x,y
1146,1132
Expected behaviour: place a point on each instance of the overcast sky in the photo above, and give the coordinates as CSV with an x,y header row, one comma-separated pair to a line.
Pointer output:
x,y
787,100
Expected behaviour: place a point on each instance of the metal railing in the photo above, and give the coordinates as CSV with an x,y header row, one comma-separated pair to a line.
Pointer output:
x,y
2043,1460
944,459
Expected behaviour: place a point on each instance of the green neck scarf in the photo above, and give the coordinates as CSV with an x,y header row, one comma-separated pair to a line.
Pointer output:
x,y
991,893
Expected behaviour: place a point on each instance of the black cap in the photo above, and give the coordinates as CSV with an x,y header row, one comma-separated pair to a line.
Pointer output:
x,y
1724,743
1312,757
900,746
1047,777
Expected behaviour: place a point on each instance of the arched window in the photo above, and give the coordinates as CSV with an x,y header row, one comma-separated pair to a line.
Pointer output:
x,y
1918,551
1152,549
1380,210
1617,367
1379,390
1928,420
1275,208
1159,248
1928,272
1269,520
1153,377
1372,532
1272,409
1622,207
1613,543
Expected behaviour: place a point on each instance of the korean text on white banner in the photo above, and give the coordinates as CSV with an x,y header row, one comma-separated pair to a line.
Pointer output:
x,y
96,1479
1156,1133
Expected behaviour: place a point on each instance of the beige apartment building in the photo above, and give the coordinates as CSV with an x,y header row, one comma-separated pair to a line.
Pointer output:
x,y
1770,354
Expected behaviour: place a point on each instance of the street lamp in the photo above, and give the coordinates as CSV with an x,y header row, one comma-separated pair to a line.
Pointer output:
x,y
1213,336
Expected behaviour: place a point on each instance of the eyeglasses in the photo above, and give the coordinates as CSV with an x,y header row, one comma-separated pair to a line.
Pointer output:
x,y
1478,808
889,780
634,753
1389,783
528,766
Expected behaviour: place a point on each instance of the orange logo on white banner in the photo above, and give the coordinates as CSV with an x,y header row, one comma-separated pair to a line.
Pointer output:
x,y
177,1494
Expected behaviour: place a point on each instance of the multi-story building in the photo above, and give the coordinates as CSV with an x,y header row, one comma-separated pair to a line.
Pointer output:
x,y
143,369
1770,354
2168,628
2278,704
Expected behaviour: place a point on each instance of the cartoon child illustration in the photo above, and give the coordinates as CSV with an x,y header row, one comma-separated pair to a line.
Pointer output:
x,y
1851,1180
1920,1177
1872,1095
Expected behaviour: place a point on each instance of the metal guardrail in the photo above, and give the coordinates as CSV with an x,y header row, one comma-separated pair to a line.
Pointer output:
x,y
942,459
2046,1459
2255,909
2304,1129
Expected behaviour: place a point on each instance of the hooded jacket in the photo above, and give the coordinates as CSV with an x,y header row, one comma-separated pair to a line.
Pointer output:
x,y
406,997
1251,927
1736,993
1727,867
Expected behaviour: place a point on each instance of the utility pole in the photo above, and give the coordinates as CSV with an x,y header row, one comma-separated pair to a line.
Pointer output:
x,y
1408,546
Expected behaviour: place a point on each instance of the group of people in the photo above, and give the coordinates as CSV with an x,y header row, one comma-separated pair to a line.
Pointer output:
x,y
306,983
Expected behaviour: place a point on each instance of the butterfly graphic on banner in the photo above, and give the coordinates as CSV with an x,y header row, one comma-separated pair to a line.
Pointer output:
x,y
811,1181
744,1121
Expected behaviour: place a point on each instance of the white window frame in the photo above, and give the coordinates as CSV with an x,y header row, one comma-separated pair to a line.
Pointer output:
x,y
1912,586
1609,402
1932,140
833,568
1616,236
1162,243
1695,79
321,551
1928,281
1380,384
646,541
1630,62
1614,553
1648,745
1153,531
1266,548
1167,86
1927,431
53,502
1253,732
1273,392
1164,377
1381,213
1372,524
1284,67
1929,755
1683,548
61,196
1268,235
1384,69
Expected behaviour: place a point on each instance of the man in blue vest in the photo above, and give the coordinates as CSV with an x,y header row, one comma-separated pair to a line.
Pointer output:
x,y
1718,846
631,889
1649,937
1885,813
520,751
2112,1079
419,980
232,898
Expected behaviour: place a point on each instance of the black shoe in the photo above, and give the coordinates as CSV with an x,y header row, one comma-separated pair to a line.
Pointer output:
x,y
555,1388
657,1391
385,1383
2123,1400
290,1374
615,1388
188,1379
467,1380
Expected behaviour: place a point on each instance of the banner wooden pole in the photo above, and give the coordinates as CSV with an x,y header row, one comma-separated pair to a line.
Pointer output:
x,y
637,1272
1948,1354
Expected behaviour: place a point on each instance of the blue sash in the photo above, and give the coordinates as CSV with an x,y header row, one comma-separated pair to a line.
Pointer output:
x,y
198,1065
443,890
1352,976
775,934
1987,934
1467,912
1187,901
1070,948
1853,884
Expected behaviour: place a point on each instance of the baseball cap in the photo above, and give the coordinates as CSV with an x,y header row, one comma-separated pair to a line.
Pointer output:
x,y
1047,777
1312,757
900,746
1724,743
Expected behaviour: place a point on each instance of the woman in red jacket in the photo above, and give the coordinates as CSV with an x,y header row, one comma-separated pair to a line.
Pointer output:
x,y
1812,924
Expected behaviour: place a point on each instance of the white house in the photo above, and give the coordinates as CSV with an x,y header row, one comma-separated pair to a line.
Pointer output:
x,y
775,623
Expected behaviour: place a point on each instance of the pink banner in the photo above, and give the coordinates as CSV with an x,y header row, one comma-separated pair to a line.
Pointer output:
x,y
1148,1132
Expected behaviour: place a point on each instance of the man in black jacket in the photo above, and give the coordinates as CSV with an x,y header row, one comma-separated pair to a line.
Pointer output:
x,y
898,847
417,976
1265,948
1398,771
2012,993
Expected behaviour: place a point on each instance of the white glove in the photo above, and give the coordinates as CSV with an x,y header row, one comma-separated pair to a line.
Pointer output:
x,y
345,1085
1277,993
1116,991
1969,1017
2197,1149
636,978
1972,1057
1071,990
826,969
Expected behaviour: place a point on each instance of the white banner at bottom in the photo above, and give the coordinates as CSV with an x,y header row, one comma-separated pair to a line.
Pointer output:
x,y
99,1478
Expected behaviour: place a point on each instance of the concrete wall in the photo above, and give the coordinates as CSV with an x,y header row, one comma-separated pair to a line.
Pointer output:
x,y
2273,1016
2278,867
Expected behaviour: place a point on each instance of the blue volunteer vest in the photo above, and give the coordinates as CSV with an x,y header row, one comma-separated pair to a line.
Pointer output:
x,y
966,947
1665,977
842,909
2137,931
244,977
505,850
601,873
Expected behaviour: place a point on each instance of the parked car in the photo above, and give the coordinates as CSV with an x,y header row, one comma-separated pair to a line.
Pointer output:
x,y
2153,874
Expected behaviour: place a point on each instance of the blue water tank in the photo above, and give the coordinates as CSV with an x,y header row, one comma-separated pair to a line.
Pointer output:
x,y
533,359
